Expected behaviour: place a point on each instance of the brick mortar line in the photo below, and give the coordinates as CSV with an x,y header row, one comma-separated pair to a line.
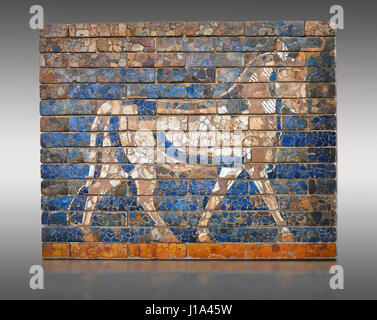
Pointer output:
x,y
227,228
126,147
189,99
182,99
196,211
193,130
267,115
190,194
186,51
187,67
171,82
183,36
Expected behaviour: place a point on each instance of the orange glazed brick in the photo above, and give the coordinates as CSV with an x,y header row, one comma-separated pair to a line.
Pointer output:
x,y
290,251
157,250
321,250
234,251
177,250
216,251
98,250
55,250
300,251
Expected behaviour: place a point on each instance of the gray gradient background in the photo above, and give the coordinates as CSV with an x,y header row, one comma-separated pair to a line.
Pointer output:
x,y
20,245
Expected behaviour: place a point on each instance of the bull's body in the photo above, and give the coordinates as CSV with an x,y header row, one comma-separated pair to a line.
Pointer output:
x,y
97,187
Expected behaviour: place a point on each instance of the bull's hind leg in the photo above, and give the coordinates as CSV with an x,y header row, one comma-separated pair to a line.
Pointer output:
x,y
96,187
264,187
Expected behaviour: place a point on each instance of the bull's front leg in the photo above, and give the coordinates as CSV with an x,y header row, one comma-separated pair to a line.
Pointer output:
x,y
264,188
215,200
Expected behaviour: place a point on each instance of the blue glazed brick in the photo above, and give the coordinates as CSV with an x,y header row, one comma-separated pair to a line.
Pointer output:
x,y
193,218
290,186
321,59
179,203
62,234
110,219
245,44
229,74
233,59
325,122
55,203
238,188
157,90
304,171
305,44
64,171
201,187
108,234
119,203
292,123
211,91
260,219
45,217
62,107
126,75
185,234
54,218
75,218
307,139
140,219
289,28
145,106
132,235
322,186
233,219
80,123
248,235
50,140
242,203
97,91
176,219
229,106
186,75
313,234
278,28
321,154
171,187
100,219
195,203
78,203
201,60
322,170
79,155
82,75
85,124
315,218
184,44
320,74
135,235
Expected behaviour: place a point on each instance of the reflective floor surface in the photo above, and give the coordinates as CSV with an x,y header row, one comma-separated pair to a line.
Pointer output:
x,y
146,279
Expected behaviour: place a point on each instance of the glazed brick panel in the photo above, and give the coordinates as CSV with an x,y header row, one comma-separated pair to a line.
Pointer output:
x,y
188,140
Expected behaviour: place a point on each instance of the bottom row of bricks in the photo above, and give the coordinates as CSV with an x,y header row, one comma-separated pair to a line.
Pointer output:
x,y
191,251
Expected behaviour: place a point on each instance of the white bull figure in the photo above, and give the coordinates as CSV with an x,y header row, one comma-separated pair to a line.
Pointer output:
x,y
98,187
